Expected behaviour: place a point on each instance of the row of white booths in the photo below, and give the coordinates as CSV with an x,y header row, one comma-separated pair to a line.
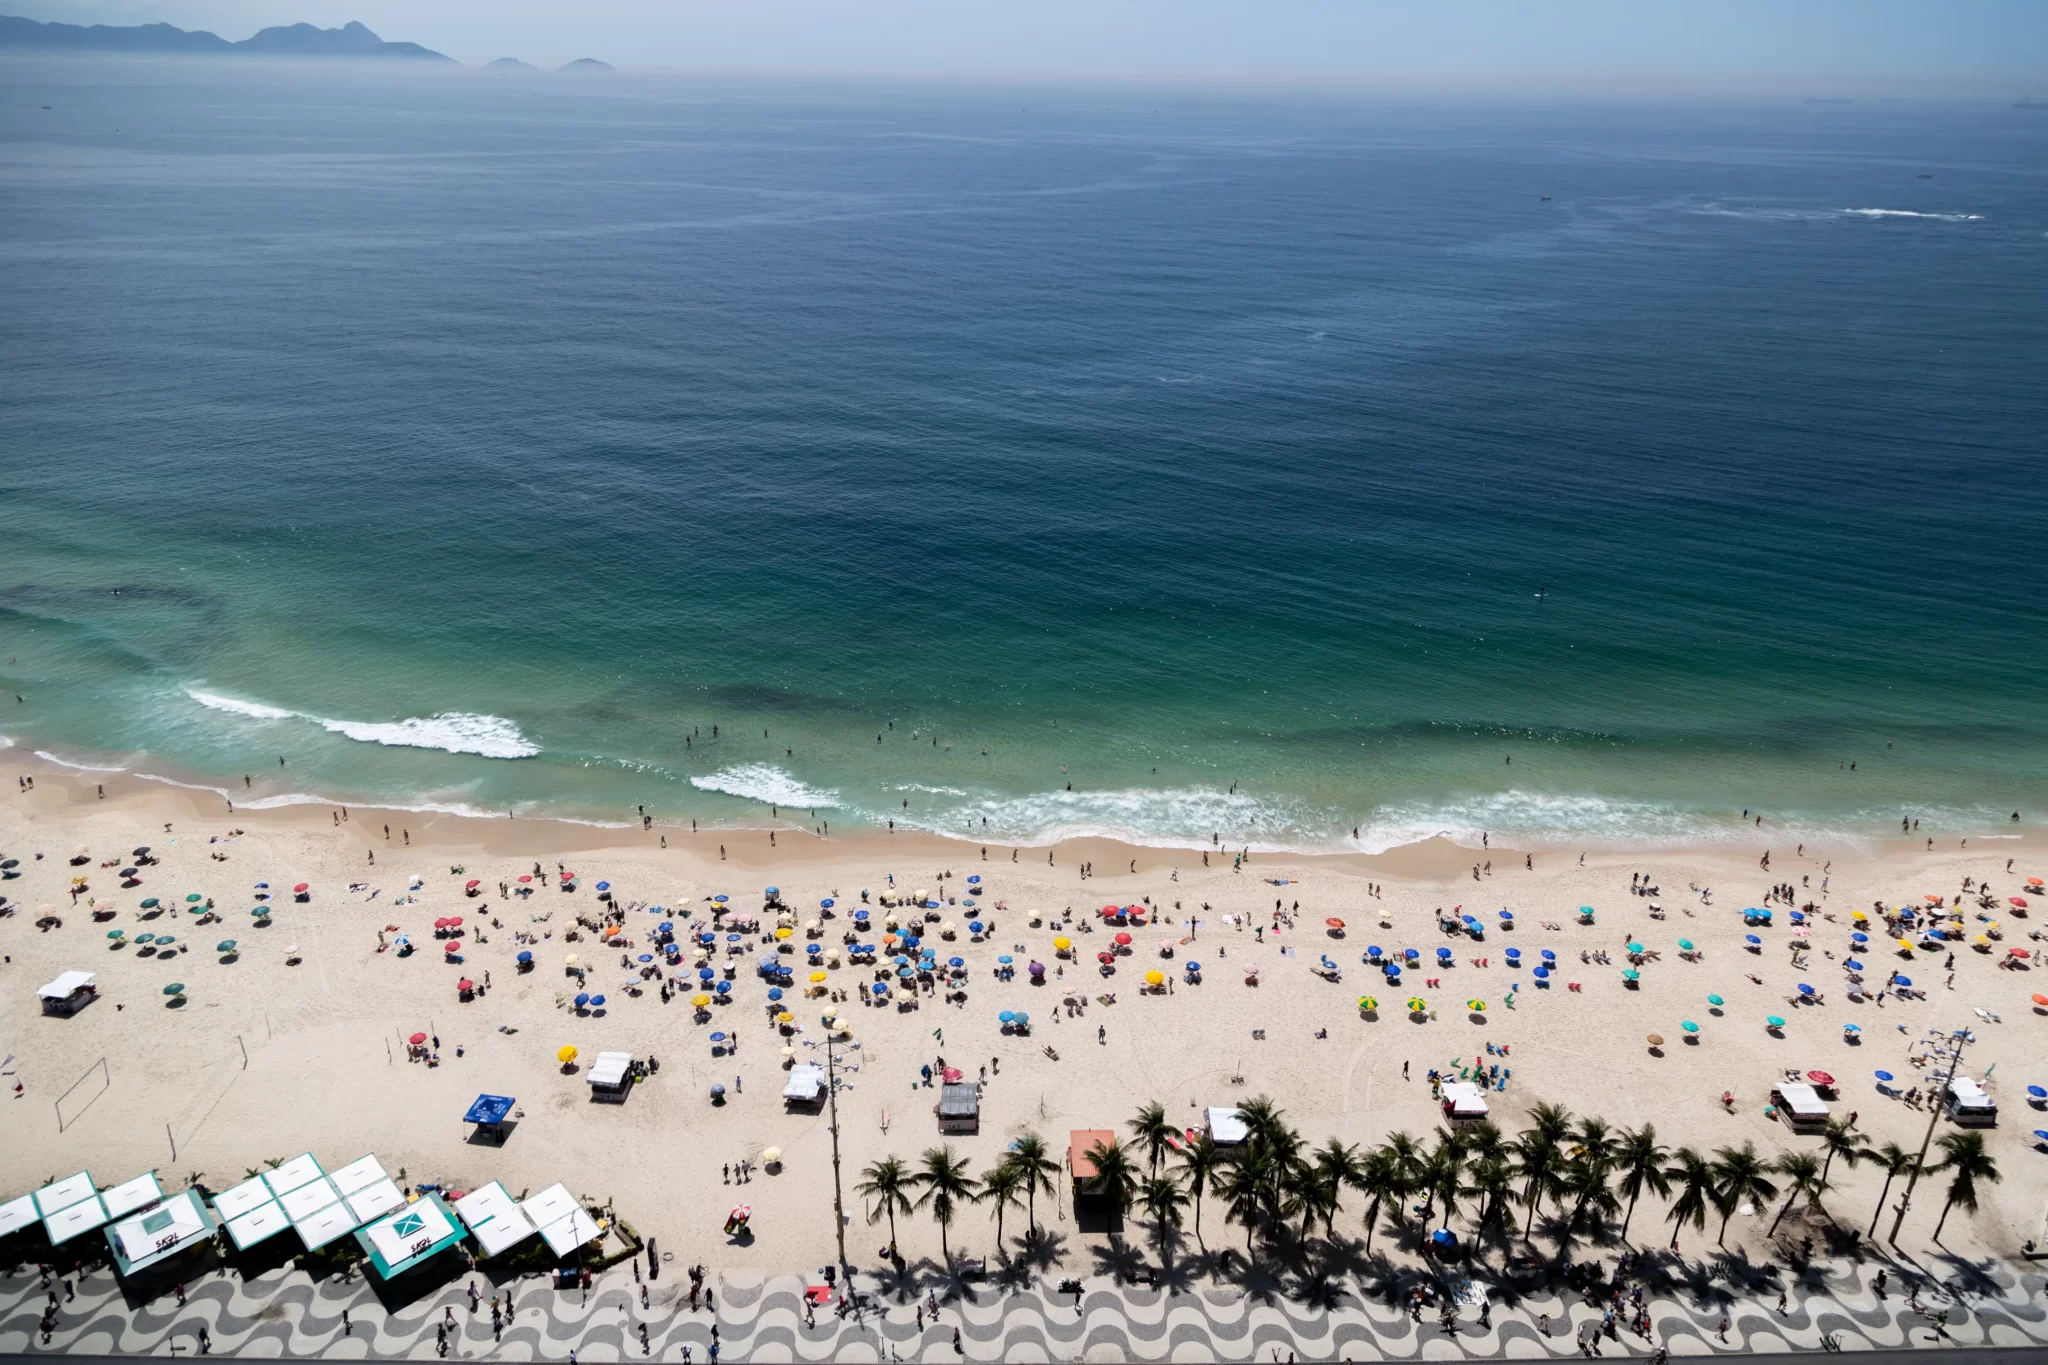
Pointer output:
x,y
145,1227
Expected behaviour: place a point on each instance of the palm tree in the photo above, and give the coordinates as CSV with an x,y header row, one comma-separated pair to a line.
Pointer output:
x,y
1805,1174
1443,1175
1493,1180
888,1183
1553,1122
1640,1159
1242,1184
1152,1133
1694,1177
1840,1139
1001,1187
1334,1167
1586,1181
1199,1161
1897,1161
1163,1199
1592,1154
1116,1176
943,1174
1384,1176
1964,1157
1740,1176
1539,1163
1028,1155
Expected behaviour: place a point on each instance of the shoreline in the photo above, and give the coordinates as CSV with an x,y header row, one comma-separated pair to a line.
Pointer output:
x,y
1729,840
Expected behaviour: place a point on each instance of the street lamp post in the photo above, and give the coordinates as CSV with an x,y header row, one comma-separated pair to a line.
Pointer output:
x,y
838,1195
1957,1041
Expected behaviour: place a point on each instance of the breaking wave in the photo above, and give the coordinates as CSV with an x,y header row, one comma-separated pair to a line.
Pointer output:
x,y
767,784
1910,213
455,732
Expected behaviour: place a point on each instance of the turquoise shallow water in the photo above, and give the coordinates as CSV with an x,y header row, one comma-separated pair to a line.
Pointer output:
x,y
1262,469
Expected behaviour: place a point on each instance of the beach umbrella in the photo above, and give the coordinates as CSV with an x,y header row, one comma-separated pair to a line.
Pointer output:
x,y
1689,1026
700,1001
1884,1075
1902,980
525,957
1773,1021
880,988
1852,965
1443,954
1852,1028
1905,946
175,988
718,1037
1631,974
2037,1092
817,977
775,992
1805,989
162,939
956,962
1656,1040
1635,947
784,1017
1155,977
1367,1002
2041,1000
226,945
1006,1016
150,904
1416,1004
1751,938
1061,945
772,892
705,973
471,885
117,933
1542,973
582,999
1508,915
1549,956
1685,945
719,899
1123,940
1716,1001
1859,937
301,889
647,957
1820,1078
193,898
1410,954
1038,968
1476,1006
1374,952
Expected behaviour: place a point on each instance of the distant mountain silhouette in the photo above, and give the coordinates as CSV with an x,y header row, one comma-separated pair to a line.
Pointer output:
x,y
511,65
588,66
290,40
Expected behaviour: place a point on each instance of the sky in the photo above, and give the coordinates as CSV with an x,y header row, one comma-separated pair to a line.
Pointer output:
x,y
1995,48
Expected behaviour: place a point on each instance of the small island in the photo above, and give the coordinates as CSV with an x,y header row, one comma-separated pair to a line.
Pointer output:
x,y
511,66
588,66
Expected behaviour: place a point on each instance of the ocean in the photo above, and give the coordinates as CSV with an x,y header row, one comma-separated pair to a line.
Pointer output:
x,y
1018,463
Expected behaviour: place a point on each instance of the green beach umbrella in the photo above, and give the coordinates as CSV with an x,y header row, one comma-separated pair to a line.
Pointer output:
x,y
1715,1001
1631,975
1773,1021
117,933
175,988
145,938
1635,947
194,897
1685,944
149,904
261,912
1689,1026
226,945
162,939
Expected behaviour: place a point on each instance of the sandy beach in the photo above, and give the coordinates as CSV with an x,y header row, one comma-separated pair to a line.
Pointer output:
x,y
264,1060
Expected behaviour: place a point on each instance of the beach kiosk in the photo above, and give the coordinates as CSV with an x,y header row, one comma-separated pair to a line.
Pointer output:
x,y
168,1230
1463,1102
959,1107
70,1207
409,1238
1801,1107
68,994
1225,1125
805,1085
488,1114
1081,1166
611,1077
1969,1105
494,1219
563,1223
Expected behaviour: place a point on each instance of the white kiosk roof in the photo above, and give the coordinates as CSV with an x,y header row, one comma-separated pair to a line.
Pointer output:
x,y
610,1068
1464,1098
73,1219
147,1234
551,1205
65,984
62,1193
307,1200
480,1206
267,1220
1226,1125
323,1227
358,1175
1803,1101
565,1236
293,1174
244,1198
376,1201
17,1214
125,1199
508,1229
806,1082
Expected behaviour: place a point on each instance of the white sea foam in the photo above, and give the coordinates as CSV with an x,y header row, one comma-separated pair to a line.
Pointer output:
x,y
930,791
455,732
254,709
1909,213
767,784
1185,817
49,757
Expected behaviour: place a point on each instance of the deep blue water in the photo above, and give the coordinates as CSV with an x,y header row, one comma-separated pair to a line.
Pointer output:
x,y
1148,442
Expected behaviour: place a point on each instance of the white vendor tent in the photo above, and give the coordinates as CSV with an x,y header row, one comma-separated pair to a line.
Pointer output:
x,y
138,1193
806,1082
1226,1125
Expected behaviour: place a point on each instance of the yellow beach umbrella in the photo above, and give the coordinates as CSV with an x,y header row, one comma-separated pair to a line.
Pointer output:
x,y
700,1001
1155,978
1062,944
817,977
1367,1002
784,932
785,1017
1476,1006
1416,1004
1905,946
567,1054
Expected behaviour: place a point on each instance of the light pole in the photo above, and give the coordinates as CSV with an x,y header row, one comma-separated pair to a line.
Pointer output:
x,y
838,1196
1957,1041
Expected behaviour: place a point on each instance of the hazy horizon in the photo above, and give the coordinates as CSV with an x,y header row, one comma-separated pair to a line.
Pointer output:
x,y
1987,48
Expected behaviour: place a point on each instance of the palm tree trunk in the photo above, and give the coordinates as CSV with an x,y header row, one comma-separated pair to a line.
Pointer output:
x,y
1198,1219
1878,1216
1783,1209
1031,1207
1531,1226
1372,1218
945,1250
1721,1237
1628,1215
892,1225
1943,1219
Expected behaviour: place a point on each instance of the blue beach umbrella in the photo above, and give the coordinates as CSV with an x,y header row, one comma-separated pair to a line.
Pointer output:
x,y
974,926
2037,1092
647,957
582,999
879,988
1194,966
1373,953
956,962
1549,956
860,917
828,902
705,973
718,900
1805,989
597,1002
604,886
1853,965
1006,1016
1751,938
667,926
974,881
1411,954
725,988
1542,973
1005,959
1884,1075
718,1037
707,939
775,992
1896,981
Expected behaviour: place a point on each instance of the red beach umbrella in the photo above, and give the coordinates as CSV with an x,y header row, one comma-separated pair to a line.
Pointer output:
x,y
1123,940
301,889
417,1039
